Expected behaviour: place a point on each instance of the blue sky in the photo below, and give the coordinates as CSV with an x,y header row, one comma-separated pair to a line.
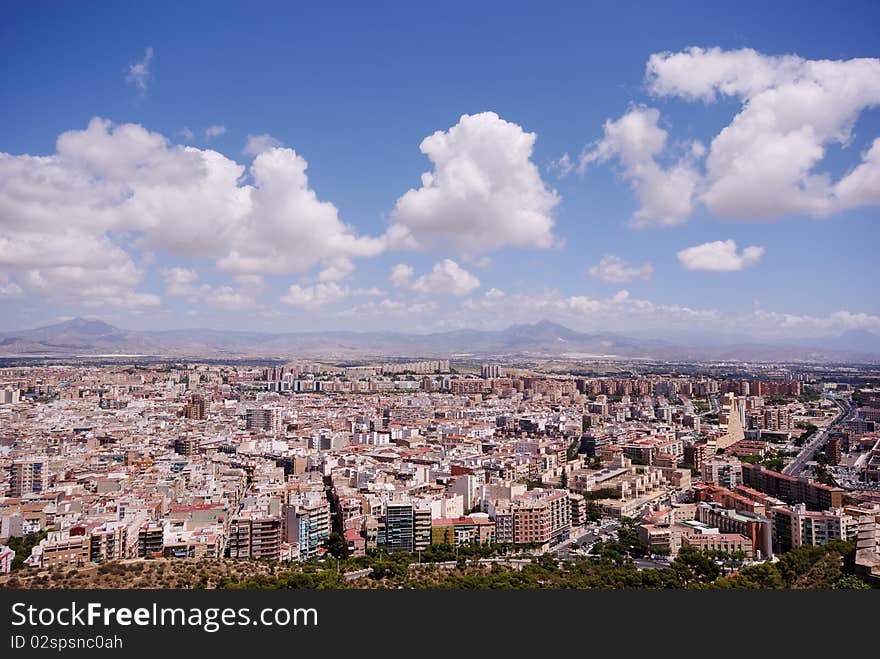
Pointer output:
x,y
633,161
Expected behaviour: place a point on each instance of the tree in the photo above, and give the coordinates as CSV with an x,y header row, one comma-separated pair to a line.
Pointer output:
x,y
22,547
564,480
335,544
851,582
693,565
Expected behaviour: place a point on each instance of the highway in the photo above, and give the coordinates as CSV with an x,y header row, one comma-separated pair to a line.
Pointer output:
x,y
797,466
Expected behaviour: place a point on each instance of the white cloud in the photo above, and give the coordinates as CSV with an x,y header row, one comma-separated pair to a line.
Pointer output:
x,y
720,255
139,72
763,164
613,269
483,194
620,312
256,144
447,278
123,188
288,229
323,294
409,311
615,313
227,297
564,166
186,134
9,290
214,131
402,274
636,139
337,269
861,187
181,282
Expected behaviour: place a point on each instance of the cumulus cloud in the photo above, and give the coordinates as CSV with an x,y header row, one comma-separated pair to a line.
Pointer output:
x,y
336,269
612,269
484,192
256,144
667,193
765,163
68,221
139,72
447,278
762,165
323,294
383,309
861,187
720,255
181,282
214,131
402,274
9,290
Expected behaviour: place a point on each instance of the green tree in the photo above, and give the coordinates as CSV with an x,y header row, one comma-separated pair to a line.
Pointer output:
x,y
851,582
335,544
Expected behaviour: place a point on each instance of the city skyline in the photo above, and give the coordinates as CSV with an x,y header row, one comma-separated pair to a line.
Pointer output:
x,y
726,179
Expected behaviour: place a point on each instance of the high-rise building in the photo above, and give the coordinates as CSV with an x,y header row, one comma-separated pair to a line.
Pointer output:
x,y
399,527
541,516
9,395
267,419
490,371
307,524
29,476
254,537
833,449
422,528
694,454
795,526
187,445
196,409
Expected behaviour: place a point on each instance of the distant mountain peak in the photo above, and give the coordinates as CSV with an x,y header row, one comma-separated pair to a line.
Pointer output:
x,y
93,326
542,326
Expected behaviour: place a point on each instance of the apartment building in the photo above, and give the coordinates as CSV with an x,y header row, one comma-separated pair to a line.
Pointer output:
x,y
757,528
29,476
263,419
795,526
541,516
816,496
254,536
60,549
306,523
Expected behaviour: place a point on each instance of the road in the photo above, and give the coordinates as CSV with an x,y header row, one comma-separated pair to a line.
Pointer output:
x,y
651,564
586,537
797,466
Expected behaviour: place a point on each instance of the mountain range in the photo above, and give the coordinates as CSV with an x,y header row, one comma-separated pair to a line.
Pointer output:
x,y
90,337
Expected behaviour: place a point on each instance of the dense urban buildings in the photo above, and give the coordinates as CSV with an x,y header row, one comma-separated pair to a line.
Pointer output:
x,y
288,463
